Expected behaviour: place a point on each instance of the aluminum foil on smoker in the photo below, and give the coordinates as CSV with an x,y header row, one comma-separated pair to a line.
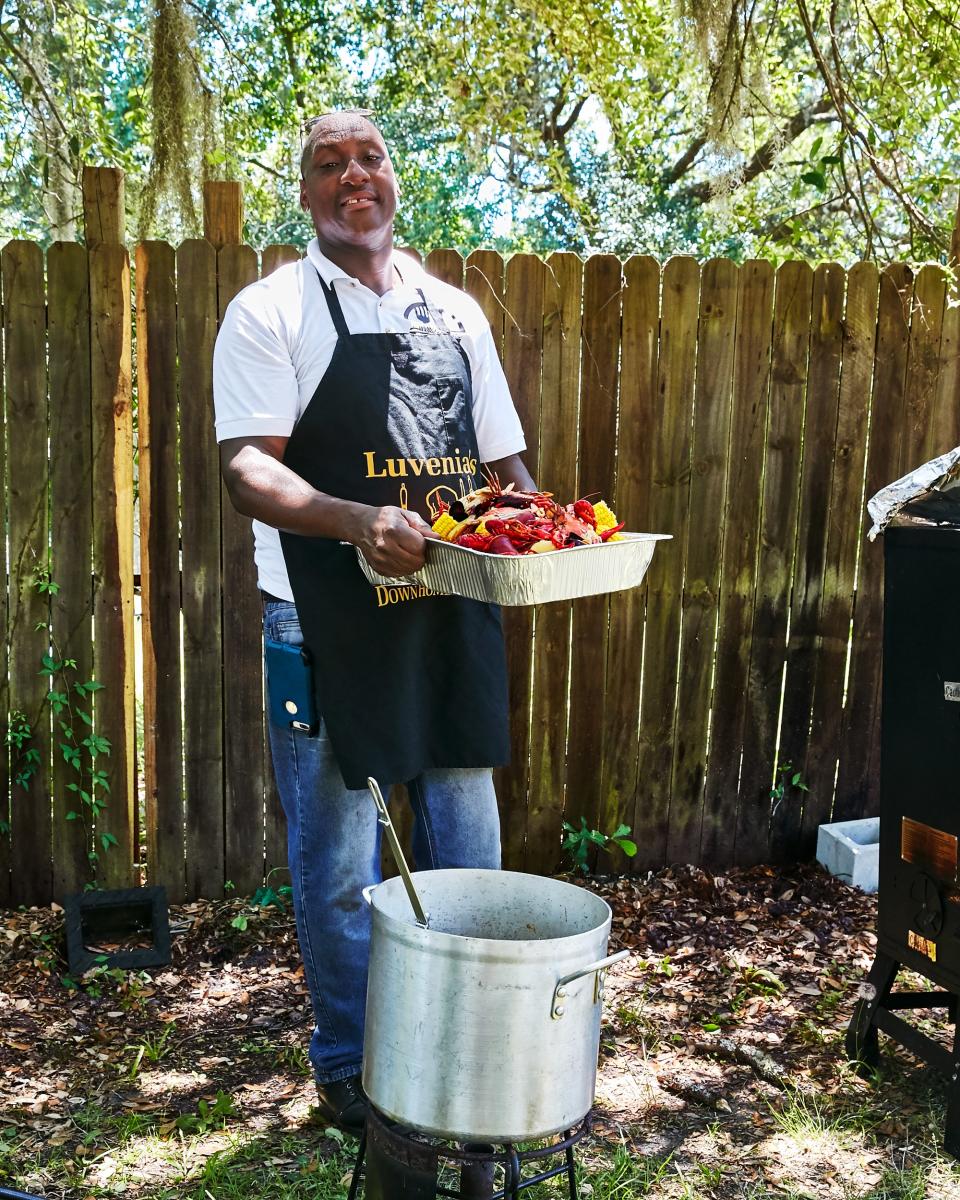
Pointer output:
x,y
939,475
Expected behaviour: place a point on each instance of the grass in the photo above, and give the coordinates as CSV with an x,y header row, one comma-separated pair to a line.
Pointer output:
x,y
128,1153
196,1086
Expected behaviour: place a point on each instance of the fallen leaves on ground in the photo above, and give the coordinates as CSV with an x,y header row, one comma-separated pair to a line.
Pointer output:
x,y
721,1046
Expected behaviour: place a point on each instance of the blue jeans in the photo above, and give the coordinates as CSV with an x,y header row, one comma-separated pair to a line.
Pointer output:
x,y
333,846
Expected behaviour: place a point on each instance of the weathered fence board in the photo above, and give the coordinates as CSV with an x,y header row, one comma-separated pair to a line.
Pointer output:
x,y
563,285
522,347
945,419
669,470
857,792
926,324
637,420
483,280
242,651
843,542
446,265
26,424
599,357
5,705
202,585
778,529
278,255
704,526
160,563
71,526
819,434
748,414
274,822
738,580
113,650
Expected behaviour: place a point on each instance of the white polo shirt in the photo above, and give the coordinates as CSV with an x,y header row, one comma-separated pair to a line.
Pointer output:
x,y
276,342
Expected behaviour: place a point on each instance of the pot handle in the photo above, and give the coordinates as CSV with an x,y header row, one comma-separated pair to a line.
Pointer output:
x,y
558,1008
367,892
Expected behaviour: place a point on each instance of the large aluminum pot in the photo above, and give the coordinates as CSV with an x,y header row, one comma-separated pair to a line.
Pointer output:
x,y
485,1026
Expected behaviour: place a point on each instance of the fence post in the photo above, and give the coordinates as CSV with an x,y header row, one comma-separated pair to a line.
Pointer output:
x,y
223,212
954,260
103,206
112,428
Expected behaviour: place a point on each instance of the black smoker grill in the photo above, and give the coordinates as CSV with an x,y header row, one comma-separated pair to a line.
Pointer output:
x,y
919,895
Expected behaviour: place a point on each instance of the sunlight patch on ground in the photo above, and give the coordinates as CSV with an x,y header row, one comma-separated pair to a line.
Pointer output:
x,y
153,1159
836,1158
162,1083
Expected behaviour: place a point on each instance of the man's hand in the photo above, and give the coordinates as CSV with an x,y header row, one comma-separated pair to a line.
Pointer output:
x,y
392,540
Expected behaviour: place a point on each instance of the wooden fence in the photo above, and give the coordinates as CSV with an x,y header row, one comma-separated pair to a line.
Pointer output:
x,y
745,410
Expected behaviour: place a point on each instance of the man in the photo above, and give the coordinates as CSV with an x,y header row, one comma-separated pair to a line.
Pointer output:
x,y
353,392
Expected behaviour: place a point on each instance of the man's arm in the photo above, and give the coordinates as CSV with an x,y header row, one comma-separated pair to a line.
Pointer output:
x,y
262,487
512,470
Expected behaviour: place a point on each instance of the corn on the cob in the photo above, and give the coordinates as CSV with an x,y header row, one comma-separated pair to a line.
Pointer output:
x,y
458,528
606,519
443,525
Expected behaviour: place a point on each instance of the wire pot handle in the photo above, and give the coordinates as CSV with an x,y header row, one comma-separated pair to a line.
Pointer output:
x,y
423,918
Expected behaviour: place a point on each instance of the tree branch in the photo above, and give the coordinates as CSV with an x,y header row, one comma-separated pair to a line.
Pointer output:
x,y
39,82
684,162
839,100
286,39
765,156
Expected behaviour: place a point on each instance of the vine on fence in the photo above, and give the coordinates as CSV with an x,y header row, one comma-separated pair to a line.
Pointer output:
x,y
80,745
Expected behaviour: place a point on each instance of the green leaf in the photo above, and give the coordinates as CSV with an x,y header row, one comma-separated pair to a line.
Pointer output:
x,y
620,831
627,846
817,178
817,143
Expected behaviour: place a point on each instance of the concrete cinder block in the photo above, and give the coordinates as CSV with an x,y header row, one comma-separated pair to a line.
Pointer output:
x,y
851,851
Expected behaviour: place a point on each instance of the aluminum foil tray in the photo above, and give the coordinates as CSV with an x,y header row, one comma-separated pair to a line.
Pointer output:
x,y
528,578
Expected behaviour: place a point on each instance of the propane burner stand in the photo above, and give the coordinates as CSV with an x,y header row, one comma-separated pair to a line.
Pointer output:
x,y
399,1163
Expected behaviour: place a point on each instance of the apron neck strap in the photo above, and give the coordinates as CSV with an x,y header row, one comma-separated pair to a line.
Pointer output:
x,y
333,304
340,324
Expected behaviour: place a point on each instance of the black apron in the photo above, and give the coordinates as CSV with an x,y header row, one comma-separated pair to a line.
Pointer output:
x,y
405,680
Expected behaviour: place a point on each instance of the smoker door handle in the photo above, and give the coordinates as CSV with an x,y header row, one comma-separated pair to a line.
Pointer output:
x,y
598,969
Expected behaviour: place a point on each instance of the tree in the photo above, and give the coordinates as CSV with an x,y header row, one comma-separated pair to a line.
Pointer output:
x,y
812,128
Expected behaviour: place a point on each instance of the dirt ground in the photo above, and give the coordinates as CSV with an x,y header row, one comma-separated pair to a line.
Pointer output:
x,y
722,1069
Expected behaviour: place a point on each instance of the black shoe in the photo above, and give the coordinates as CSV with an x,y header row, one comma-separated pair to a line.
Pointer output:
x,y
343,1104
